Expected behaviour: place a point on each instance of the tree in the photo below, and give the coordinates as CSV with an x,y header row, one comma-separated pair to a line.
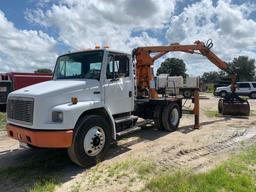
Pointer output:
x,y
214,76
244,67
173,67
43,71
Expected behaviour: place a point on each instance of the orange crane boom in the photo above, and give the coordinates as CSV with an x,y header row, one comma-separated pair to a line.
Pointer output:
x,y
144,62
231,105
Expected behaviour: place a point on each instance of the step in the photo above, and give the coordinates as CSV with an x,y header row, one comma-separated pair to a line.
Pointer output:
x,y
125,119
129,130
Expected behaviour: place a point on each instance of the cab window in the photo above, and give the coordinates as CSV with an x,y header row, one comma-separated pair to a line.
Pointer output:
x,y
118,67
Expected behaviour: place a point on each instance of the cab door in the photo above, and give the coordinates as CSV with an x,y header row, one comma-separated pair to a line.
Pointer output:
x,y
118,87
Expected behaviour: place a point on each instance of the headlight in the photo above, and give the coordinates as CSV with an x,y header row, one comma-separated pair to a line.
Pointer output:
x,y
57,116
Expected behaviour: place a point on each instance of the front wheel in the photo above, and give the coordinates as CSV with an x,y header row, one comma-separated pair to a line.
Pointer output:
x,y
171,117
91,141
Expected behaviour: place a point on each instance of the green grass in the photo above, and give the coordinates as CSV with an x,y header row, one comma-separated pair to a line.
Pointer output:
x,y
253,112
41,172
210,88
237,174
211,113
2,121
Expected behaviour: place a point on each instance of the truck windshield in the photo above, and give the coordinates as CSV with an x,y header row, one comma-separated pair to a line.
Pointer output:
x,y
83,65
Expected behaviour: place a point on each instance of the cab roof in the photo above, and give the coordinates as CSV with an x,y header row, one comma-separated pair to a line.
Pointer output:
x,y
100,49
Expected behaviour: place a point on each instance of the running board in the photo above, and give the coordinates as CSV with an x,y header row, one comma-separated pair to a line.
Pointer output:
x,y
129,130
125,119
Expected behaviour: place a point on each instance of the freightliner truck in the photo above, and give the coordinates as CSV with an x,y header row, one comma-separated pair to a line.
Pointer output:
x,y
94,96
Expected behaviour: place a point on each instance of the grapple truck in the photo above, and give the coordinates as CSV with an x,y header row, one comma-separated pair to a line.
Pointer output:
x,y
96,95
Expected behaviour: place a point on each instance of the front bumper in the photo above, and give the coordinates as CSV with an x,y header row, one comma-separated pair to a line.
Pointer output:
x,y
44,139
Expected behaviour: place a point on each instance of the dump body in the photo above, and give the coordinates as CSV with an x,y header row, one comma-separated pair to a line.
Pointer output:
x,y
176,85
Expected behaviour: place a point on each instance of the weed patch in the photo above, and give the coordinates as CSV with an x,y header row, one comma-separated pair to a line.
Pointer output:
x,y
237,174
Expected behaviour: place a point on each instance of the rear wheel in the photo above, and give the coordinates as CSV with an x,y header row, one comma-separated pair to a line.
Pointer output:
x,y
253,95
91,141
171,117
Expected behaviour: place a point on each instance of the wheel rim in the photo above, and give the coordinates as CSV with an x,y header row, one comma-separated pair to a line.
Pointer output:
x,y
94,141
187,94
174,116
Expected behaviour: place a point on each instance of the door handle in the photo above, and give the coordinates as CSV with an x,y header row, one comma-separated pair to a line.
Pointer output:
x,y
130,93
114,80
96,92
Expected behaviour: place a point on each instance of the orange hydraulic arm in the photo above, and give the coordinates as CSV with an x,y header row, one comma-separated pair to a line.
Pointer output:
x,y
144,62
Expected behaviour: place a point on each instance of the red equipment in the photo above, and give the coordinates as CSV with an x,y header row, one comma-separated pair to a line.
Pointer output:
x,y
12,81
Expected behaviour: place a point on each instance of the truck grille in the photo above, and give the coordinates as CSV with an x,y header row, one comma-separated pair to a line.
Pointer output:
x,y
20,110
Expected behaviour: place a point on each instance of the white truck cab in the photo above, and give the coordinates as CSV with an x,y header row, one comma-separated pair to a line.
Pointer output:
x,y
90,99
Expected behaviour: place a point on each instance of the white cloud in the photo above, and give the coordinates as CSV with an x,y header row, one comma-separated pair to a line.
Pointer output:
x,y
227,24
24,50
82,24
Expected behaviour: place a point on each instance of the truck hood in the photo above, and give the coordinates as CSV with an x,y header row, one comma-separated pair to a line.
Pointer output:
x,y
55,87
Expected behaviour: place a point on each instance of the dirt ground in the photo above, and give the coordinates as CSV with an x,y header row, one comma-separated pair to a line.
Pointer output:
x,y
217,138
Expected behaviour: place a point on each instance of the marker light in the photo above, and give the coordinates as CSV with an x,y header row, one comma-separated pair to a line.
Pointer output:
x,y
74,100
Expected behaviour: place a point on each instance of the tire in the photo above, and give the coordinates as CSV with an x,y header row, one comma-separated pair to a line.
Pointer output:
x,y
171,117
253,95
223,94
187,94
84,152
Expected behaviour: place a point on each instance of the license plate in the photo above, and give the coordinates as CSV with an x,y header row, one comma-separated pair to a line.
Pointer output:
x,y
3,89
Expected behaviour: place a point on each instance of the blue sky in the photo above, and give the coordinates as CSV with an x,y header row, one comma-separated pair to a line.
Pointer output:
x,y
35,32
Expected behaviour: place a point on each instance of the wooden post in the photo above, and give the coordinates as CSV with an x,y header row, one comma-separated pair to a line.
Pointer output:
x,y
196,109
